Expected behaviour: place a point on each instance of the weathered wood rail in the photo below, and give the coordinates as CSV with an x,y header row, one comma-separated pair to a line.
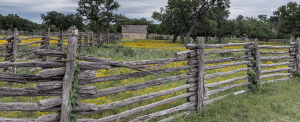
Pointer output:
x,y
55,79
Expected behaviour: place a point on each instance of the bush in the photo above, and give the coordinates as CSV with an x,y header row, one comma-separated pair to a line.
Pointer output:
x,y
106,46
284,36
90,50
128,51
226,54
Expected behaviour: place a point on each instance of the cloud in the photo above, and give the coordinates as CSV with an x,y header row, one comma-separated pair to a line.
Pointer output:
x,y
254,7
32,9
138,9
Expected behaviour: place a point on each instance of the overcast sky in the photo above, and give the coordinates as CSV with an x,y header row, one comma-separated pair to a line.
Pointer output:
x,y
32,9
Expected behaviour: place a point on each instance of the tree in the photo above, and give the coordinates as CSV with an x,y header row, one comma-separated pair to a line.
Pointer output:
x,y
287,19
99,11
119,19
261,28
188,13
78,21
224,26
208,25
55,18
62,21
243,26
12,21
170,23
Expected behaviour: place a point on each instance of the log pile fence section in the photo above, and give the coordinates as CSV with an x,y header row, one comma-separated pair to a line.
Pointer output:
x,y
56,79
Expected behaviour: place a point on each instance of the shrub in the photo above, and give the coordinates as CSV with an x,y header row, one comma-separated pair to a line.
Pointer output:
x,y
128,51
226,54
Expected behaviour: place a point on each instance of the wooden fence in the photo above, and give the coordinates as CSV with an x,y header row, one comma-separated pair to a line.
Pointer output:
x,y
58,81
11,48
89,35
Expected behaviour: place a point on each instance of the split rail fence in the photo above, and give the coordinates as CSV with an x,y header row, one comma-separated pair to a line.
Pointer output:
x,y
16,53
54,80
90,36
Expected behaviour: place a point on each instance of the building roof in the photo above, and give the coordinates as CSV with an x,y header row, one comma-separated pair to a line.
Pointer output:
x,y
72,27
134,28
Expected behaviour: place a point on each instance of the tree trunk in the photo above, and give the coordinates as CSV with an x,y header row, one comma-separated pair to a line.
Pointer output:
x,y
182,39
206,38
194,38
174,38
189,34
106,33
219,39
229,37
98,35
267,39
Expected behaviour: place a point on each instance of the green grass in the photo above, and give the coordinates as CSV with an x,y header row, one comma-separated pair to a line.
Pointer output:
x,y
275,102
123,53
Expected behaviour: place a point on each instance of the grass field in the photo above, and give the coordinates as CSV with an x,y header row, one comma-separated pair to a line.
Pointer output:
x,y
132,50
277,102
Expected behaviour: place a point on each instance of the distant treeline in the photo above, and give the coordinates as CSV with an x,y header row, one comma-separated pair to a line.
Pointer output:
x,y
63,22
12,21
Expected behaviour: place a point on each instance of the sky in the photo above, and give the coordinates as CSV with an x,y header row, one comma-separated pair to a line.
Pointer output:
x,y
32,9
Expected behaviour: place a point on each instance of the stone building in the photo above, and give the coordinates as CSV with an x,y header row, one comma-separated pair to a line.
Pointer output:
x,y
135,31
73,29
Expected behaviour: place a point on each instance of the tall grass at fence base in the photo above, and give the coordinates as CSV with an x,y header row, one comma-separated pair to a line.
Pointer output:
x,y
275,102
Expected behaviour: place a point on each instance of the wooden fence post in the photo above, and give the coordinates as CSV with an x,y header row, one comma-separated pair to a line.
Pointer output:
x,y
257,61
61,38
67,82
9,50
192,57
249,66
15,42
79,40
102,40
106,39
9,32
47,44
92,39
298,56
86,40
42,43
200,83
292,60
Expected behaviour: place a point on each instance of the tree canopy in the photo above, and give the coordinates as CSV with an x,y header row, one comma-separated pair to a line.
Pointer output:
x,y
185,15
101,13
286,19
12,21
62,21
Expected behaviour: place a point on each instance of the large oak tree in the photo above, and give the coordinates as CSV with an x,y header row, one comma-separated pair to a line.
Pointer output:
x,y
100,12
287,19
62,21
187,14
